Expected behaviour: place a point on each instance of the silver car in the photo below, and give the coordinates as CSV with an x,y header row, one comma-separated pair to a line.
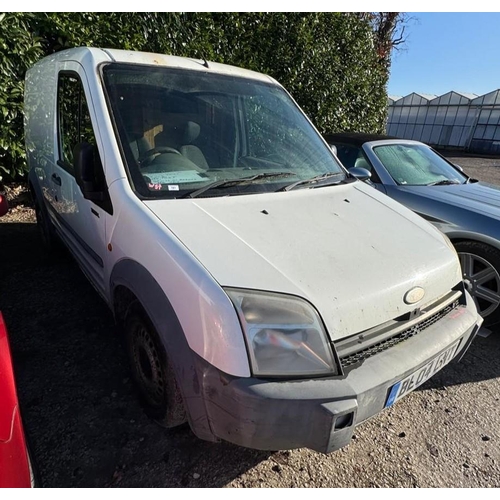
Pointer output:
x,y
466,210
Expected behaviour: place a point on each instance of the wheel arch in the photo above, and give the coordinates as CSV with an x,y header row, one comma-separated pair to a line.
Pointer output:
x,y
460,235
129,282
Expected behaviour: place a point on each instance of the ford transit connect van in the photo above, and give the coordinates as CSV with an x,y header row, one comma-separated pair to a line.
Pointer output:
x,y
266,295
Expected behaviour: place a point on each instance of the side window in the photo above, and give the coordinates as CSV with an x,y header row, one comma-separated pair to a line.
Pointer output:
x,y
348,155
75,125
353,156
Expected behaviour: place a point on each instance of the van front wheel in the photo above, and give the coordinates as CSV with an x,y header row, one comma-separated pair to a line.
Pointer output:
x,y
152,372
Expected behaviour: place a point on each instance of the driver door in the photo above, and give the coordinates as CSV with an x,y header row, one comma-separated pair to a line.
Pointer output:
x,y
81,221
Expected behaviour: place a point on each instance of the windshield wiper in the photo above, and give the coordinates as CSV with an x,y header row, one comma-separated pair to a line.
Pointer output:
x,y
312,180
444,182
224,183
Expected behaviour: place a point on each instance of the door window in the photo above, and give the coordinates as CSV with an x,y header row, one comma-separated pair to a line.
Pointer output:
x,y
354,156
75,125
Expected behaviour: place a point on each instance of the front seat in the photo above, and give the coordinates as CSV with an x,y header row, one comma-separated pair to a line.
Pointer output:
x,y
134,127
188,149
139,146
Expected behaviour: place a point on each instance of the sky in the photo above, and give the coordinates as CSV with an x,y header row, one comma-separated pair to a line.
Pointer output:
x,y
448,51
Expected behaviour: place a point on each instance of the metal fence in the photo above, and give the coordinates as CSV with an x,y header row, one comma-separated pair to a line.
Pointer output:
x,y
457,120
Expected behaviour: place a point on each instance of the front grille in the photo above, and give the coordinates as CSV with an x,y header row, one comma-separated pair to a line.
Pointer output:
x,y
358,357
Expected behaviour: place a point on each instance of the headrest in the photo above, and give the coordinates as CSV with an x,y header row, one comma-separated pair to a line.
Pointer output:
x,y
191,132
362,163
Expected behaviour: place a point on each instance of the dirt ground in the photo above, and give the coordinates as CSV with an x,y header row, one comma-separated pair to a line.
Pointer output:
x,y
87,429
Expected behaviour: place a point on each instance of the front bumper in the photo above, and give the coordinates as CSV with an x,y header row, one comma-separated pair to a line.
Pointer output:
x,y
321,414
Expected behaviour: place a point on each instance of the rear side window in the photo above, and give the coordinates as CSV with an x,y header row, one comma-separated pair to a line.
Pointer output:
x,y
74,118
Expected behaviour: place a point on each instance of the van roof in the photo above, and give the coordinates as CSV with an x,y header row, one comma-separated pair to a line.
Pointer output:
x,y
94,56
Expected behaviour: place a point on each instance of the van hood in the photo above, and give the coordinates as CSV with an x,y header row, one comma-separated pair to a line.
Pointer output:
x,y
349,250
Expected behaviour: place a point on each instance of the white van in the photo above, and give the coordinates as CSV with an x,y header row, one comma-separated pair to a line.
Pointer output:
x,y
267,296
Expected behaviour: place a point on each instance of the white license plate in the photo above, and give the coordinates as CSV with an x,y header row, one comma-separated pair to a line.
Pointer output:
x,y
417,378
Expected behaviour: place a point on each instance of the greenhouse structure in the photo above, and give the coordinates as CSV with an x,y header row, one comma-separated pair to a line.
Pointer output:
x,y
455,120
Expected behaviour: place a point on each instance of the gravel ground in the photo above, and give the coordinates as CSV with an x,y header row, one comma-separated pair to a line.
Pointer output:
x,y
87,429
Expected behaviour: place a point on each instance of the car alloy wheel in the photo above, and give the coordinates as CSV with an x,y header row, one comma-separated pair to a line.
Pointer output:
x,y
482,281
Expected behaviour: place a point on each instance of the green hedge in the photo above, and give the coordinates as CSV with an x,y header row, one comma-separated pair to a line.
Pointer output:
x,y
19,49
327,61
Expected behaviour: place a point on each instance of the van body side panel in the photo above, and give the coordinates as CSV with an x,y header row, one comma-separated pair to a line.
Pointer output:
x,y
206,314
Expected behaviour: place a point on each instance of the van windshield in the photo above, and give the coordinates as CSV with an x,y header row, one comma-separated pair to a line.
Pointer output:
x,y
182,131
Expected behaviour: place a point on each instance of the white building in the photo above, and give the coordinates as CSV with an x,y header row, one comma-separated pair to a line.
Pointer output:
x,y
454,120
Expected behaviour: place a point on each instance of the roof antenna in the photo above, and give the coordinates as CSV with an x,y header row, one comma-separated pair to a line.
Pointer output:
x,y
203,58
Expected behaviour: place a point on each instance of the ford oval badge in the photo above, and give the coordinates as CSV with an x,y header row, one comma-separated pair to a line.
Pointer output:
x,y
414,295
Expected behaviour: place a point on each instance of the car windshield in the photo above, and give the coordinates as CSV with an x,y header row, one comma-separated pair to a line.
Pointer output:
x,y
417,165
184,130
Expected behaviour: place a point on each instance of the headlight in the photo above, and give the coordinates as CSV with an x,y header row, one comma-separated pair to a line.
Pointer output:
x,y
284,335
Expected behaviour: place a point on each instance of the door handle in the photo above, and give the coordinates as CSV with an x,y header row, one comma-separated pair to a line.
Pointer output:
x,y
55,178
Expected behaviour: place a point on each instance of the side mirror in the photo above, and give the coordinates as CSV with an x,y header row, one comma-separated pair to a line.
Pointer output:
x,y
360,173
87,165
334,149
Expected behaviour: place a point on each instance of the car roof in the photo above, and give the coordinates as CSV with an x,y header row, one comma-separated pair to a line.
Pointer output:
x,y
93,56
356,138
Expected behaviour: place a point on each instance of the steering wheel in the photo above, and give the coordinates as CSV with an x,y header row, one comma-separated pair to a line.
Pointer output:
x,y
146,157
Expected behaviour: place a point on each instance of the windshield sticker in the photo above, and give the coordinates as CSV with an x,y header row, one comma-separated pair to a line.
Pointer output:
x,y
173,187
175,178
154,187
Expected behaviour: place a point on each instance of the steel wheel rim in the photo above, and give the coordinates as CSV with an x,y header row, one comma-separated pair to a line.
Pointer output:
x,y
148,366
482,281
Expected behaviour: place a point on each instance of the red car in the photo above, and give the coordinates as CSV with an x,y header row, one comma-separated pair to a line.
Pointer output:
x,y
4,206
15,467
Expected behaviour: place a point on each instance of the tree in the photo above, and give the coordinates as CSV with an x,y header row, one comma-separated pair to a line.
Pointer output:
x,y
19,49
329,61
389,30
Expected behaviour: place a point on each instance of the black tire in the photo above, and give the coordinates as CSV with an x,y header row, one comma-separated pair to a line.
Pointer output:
x,y
47,232
151,370
475,258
